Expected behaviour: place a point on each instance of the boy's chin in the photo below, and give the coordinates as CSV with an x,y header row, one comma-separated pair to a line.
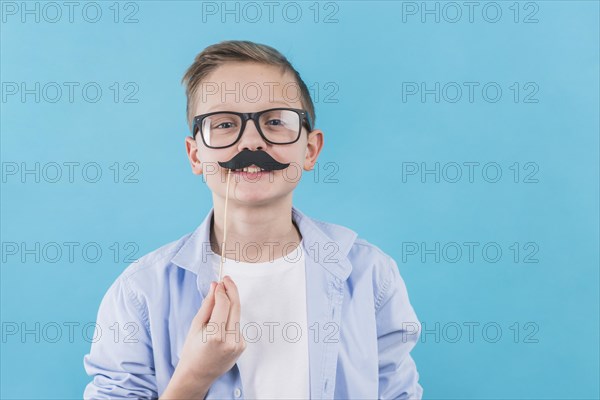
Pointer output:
x,y
252,201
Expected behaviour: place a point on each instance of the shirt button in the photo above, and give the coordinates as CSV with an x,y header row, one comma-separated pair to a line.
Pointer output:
x,y
237,392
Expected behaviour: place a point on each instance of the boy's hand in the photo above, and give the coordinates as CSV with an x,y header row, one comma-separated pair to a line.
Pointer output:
x,y
213,343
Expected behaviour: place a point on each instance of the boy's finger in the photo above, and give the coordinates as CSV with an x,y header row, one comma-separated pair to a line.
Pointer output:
x,y
221,309
235,308
203,314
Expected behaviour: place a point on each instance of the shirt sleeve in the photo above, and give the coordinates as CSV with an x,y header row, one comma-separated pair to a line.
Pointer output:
x,y
398,331
120,360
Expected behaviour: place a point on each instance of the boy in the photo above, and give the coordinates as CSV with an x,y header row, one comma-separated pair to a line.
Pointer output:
x,y
260,301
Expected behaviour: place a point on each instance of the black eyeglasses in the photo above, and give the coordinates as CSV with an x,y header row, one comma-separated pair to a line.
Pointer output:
x,y
221,129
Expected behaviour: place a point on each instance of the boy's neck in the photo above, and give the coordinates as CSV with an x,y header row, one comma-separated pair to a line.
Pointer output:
x,y
269,228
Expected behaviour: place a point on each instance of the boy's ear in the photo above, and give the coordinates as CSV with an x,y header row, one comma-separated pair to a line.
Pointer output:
x,y
313,148
191,148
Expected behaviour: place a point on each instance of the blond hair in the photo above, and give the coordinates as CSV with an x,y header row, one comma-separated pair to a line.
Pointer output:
x,y
217,54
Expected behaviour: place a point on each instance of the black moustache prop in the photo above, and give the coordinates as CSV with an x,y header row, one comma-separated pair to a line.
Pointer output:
x,y
246,158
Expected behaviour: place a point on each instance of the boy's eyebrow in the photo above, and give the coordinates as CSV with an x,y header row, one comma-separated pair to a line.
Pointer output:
x,y
223,106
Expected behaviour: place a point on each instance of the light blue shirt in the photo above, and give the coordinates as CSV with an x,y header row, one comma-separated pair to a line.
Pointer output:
x,y
361,324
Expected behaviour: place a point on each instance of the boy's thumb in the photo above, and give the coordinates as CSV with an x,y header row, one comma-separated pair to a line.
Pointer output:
x,y
205,311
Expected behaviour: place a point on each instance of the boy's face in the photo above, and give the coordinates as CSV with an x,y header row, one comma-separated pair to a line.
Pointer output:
x,y
251,87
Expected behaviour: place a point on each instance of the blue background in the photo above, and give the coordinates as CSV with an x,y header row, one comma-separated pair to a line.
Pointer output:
x,y
360,61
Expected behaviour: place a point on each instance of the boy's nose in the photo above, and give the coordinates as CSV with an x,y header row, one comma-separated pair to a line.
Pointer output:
x,y
251,138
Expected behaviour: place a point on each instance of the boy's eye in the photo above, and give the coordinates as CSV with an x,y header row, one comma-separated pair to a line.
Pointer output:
x,y
224,125
275,122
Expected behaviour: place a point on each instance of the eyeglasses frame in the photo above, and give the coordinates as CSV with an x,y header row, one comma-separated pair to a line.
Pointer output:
x,y
245,117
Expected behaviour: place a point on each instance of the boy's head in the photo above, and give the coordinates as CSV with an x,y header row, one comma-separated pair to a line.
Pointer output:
x,y
246,77
198,87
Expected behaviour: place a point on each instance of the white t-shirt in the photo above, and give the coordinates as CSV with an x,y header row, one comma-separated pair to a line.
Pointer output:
x,y
273,322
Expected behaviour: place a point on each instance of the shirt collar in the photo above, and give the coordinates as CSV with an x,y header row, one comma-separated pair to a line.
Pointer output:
x,y
194,254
